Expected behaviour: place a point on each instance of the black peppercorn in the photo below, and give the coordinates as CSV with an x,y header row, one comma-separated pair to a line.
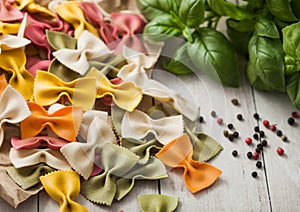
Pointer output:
x,y
279,133
256,129
284,138
213,114
239,117
261,134
225,133
230,126
257,150
256,116
249,155
201,119
255,136
234,153
264,142
259,164
230,137
291,121
235,134
234,101
259,146
254,174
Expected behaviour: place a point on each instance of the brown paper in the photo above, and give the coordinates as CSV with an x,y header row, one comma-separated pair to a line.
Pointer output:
x,y
9,190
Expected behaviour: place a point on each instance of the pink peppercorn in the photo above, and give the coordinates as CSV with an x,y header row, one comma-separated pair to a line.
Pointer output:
x,y
294,114
272,127
280,151
248,140
266,123
255,155
219,120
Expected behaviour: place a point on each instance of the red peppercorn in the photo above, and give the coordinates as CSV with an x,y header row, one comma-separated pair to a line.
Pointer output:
x,y
280,151
255,155
272,127
219,120
266,123
294,114
248,140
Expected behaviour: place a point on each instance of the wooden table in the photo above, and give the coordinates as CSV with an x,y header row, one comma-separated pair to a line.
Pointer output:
x,y
277,187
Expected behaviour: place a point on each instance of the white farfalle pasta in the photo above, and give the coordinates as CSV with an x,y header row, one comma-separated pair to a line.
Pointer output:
x,y
97,133
28,157
89,48
8,42
138,125
13,109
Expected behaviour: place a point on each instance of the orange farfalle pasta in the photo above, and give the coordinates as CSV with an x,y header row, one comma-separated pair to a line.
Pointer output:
x,y
178,154
64,122
71,13
3,83
49,89
126,95
64,186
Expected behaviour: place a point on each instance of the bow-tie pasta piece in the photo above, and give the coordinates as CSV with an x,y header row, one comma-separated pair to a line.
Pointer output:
x,y
9,42
33,8
28,177
125,95
8,12
157,203
138,125
178,154
63,186
29,157
64,122
49,89
9,28
37,142
13,108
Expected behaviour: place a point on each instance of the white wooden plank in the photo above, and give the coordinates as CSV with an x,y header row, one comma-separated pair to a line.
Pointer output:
x,y
236,189
282,171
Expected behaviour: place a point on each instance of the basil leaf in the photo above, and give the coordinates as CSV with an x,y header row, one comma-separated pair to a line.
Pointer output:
x,y
225,8
291,47
281,9
191,12
181,62
267,58
255,80
212,53
255,4
293,88
241,26
152,9
296,8
266,27
162,28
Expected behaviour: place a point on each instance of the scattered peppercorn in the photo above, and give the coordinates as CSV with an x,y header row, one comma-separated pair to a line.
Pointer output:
x,y
234,153
284,138
259,164
255,155
234,101
264,143
219,120
280,151
279,133
256,116
213,114
291,121
256,128
254,174
272,127
261,134
230,126
259,146
239,117
257,150
255,136
201,119
294,114
225,133
230,137
236,134
248,140
266,123
249,155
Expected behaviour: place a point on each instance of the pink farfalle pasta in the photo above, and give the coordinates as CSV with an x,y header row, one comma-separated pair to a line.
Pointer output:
x,y
138,125
8,12
37,142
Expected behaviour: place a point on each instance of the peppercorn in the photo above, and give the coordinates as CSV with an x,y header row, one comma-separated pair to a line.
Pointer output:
x,y
230,137
259,146
225,133
230,126
255,155
294,114
261,134
255,136
213,114
256,116
201,119
257,150
272,127
249,155
259,164
234,101
280,151
291,121
266,123
236,134
254,174
279,133
220,121
284,138
264,143
256,128
234,153
248,140
239,117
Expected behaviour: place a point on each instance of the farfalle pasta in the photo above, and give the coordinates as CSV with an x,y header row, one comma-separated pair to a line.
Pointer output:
x,y
77,90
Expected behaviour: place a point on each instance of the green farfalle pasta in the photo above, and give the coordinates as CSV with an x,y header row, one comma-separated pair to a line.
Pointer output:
x,y
157,203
